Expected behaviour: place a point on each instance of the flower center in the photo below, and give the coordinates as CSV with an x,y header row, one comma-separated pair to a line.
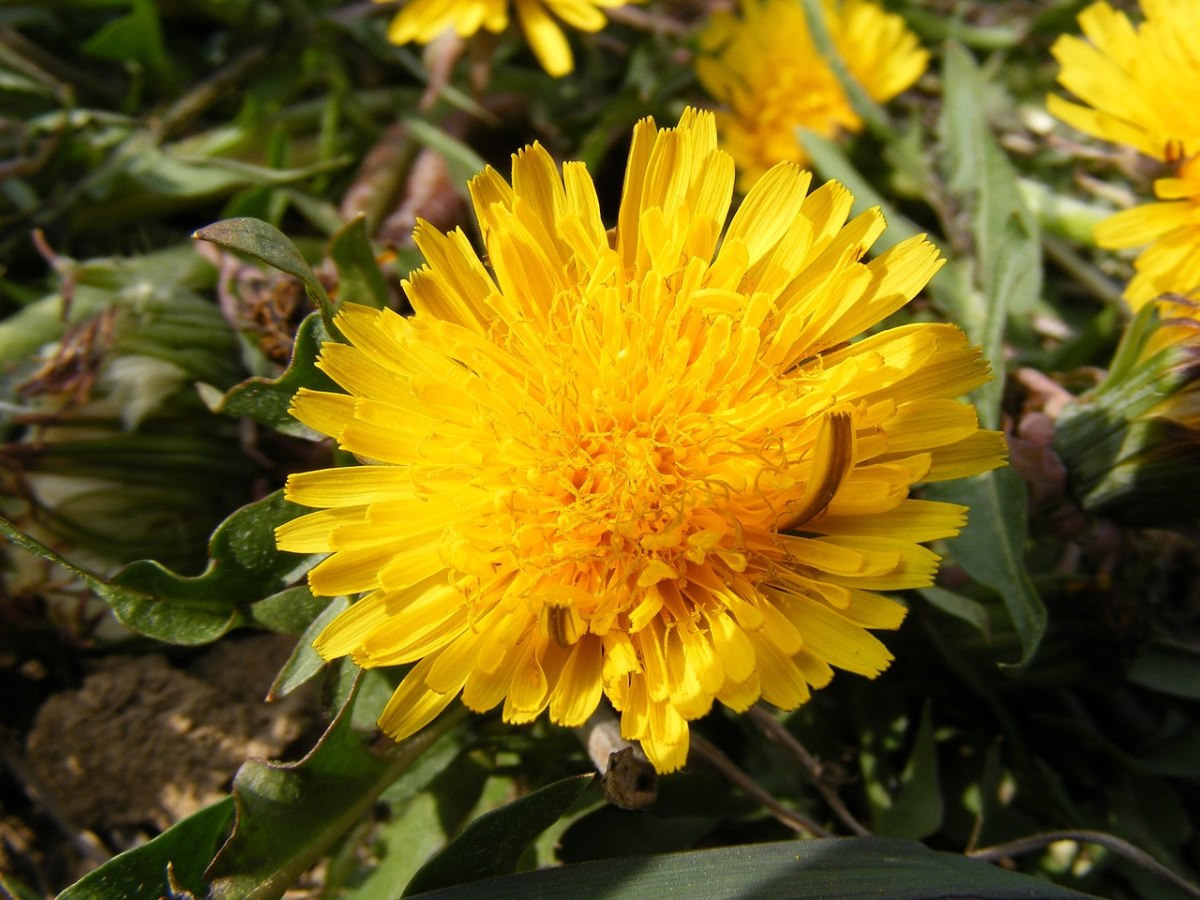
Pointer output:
x,y
623,485
614,501
610,513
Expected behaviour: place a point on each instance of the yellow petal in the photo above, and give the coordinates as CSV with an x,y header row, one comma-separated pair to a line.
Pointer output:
x,y
414,705
910,520
546,39
739,696
783,683
580,685
835,639
1144,224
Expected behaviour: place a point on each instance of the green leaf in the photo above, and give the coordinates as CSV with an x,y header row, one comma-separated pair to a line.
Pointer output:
x,y
991,548
290,611
135,37
187,848
406,842
1168,669
493,843
246,173
359,277
1006,271
288,815
916,809
970,611
462,162
151,281
264,241
425,815
145,180
829,869
305,662
1007,246
243,567
267,400
690,806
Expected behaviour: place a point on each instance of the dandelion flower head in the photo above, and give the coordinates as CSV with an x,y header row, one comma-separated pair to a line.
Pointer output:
x,y
424,20
1170,232
646,465
765,69
1138,84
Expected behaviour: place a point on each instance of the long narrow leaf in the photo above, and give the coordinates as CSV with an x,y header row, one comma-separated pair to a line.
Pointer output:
x,y
493,843
1006,280
832,869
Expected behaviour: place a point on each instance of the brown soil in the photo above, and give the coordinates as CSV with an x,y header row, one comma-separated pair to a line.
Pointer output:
x,y
143,743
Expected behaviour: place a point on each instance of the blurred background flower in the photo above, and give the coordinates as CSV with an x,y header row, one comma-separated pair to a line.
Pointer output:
x,y
763,67
1139,85
1171,228
424,20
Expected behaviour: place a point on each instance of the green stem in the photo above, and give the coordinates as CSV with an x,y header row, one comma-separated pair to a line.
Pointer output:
x,y
401,758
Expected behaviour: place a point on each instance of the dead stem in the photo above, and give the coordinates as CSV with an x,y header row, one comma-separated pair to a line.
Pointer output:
x,y
628,778
1110,842
222,83
647,21
775,730
707,751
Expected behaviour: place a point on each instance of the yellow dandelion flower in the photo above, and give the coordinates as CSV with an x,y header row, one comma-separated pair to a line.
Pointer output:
x,y
647,466
1171,228
765,69
424,20
1137,82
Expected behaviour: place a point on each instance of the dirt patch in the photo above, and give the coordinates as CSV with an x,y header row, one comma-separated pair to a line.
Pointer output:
x,y
142,743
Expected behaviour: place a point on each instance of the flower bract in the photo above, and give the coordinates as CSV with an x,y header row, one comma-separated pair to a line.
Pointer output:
x,y
424,20
1138,84
764,68
647,464
1133,444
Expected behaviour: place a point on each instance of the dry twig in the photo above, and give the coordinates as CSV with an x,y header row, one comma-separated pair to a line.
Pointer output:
x,y
1110,842
777,732
707,751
